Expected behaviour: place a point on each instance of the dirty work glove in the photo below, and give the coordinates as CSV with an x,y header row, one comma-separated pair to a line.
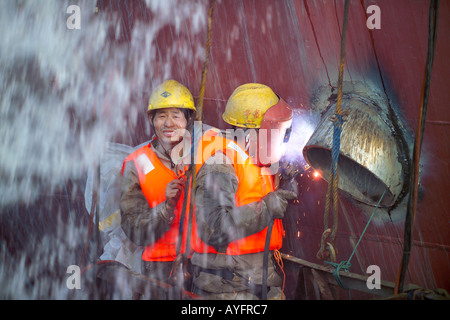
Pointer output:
x,y
276,202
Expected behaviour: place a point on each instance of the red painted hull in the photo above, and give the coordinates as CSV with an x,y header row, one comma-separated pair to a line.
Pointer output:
x,y
293,46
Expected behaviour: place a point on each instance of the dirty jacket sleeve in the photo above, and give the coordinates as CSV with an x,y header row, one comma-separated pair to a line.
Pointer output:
x,y
218,218
143,225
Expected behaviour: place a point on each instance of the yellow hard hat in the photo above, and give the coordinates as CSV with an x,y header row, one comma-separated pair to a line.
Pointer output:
x,y
248,104
171,94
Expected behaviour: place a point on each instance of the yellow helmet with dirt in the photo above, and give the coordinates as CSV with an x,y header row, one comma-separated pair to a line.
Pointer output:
x,y
171,94
248,104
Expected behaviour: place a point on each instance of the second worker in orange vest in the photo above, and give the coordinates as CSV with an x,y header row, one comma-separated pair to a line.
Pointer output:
x,y
153,186
235,199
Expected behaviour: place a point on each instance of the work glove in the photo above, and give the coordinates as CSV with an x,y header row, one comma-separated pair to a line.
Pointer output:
x,y
277,201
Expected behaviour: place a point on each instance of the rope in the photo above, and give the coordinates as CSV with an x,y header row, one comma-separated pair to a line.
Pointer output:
x,y
191,176
414,179
206,63
266,260
279,260
345,265
337,130
199,114
191,179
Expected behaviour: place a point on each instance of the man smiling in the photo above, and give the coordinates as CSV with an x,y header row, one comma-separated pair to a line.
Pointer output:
x,y
152,189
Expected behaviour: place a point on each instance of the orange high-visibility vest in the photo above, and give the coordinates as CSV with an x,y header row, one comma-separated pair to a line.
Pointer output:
x,y
153,178
253,185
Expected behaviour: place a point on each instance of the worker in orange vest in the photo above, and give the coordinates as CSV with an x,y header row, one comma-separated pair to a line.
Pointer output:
x,y
236,201
152,189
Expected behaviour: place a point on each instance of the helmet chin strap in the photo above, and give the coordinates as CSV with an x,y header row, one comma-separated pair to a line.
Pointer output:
x,y
157,143
250,144
247,140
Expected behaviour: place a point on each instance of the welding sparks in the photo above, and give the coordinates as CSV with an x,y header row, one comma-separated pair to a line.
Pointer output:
x,y
317,174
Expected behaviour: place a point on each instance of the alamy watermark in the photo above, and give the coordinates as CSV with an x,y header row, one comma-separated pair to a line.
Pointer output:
x,y
374,280
374,20
73,22
74,279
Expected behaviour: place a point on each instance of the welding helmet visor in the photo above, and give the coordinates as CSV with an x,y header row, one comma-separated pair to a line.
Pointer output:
x,y
274,133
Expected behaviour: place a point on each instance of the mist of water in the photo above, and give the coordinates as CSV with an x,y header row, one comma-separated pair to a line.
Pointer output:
x,y
65,93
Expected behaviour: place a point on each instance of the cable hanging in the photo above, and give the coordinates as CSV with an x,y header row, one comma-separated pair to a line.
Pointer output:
x,y
414,178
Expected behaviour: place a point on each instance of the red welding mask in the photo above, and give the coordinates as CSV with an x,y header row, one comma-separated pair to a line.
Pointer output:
x,y
274,133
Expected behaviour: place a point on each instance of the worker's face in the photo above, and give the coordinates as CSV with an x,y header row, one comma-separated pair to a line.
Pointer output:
x,y
170,125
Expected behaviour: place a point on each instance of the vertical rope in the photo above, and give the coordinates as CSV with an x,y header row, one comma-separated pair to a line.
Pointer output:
x,y
200,112
191,176
206,63
337,127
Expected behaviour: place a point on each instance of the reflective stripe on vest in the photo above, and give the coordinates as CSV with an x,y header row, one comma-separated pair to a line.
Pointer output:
x,y
253,185
153,178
